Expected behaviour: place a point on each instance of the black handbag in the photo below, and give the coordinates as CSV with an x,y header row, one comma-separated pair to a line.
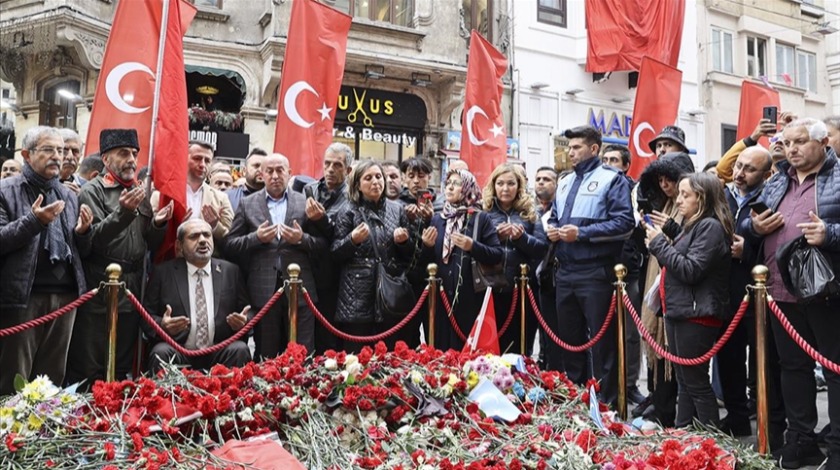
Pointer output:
x,y
486,275
394,294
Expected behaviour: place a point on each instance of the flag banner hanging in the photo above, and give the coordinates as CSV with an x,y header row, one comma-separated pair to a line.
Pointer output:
x,y
754,98
656,106
309,85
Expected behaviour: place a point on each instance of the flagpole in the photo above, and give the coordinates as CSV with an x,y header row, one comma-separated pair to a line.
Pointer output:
x,y
164,22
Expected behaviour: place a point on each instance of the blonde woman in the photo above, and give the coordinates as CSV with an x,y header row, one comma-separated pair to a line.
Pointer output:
x,y
512,212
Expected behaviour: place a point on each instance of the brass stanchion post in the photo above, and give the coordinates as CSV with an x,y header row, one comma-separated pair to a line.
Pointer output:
x,y
620,273
294,290
523,287
760,274
432,269
114,271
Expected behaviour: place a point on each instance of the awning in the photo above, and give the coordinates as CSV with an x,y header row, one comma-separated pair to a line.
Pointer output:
x,y
212,71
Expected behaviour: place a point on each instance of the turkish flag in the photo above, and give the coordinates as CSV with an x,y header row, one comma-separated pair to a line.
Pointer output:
x,y
484,335
656,106
620,33
754,98
485,146
126,86
310,83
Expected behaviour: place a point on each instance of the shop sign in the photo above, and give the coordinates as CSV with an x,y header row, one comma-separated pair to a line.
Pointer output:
x,y
227,144
400,138
369,108
617,125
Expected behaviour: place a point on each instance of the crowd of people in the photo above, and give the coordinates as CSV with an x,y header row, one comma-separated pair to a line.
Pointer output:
x,y
689,240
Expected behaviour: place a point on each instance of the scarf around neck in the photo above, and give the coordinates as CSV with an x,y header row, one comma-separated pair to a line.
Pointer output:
x,y
56,242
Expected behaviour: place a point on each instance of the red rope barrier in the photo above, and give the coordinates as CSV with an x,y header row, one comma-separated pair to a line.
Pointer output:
x,y
511,312
799,340
447,307
13,330
696,361
583,347
365,339
211,349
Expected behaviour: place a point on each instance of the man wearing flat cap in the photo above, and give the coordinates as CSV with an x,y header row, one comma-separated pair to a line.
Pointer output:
x,y
124,229
671,139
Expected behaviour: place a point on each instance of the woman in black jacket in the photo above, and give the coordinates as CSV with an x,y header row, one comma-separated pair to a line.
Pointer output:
x,y
695,282
512,211
449,242
369,218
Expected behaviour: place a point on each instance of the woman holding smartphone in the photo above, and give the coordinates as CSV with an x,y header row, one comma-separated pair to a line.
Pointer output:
x,y
695,283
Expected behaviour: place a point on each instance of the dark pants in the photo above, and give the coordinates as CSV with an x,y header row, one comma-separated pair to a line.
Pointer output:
x,y
696,398
732,371
324,340
818,324
583,301
271,334
88,356
37,351
632,337
236,354
663,394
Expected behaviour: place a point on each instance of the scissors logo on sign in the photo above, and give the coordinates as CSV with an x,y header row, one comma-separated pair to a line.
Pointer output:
x,y
360,108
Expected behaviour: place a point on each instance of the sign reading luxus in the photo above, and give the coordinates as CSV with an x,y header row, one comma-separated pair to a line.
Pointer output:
x,y
377,108
618,126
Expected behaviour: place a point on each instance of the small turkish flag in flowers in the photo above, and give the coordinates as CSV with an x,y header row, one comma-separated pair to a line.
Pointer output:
x,y
483,335
483,142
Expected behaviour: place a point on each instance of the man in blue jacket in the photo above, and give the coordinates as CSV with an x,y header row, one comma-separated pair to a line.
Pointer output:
x,y
591,218
803,201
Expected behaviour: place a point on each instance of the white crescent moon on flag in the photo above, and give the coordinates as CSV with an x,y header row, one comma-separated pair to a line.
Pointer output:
x,y
474,109
290,106
636,132
112,85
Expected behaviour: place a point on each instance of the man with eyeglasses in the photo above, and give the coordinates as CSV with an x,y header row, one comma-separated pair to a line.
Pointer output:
x,y
44,234
124,229
802,200
70,162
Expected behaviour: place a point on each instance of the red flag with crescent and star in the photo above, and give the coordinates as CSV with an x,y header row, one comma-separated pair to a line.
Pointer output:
x,y
657,104
754,97
310,83
126,86
485,145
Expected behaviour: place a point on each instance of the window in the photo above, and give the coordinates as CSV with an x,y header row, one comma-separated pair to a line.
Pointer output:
x,y
785,66
207,3
756,57
478,15
722,51
806,70
728,137
552,12
6,93
398,12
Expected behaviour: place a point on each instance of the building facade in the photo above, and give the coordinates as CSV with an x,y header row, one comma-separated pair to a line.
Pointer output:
x,y
553,92
783,41
402,89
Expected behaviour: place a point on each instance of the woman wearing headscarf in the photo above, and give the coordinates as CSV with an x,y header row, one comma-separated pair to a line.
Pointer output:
x,y
523,241
449,242
370,218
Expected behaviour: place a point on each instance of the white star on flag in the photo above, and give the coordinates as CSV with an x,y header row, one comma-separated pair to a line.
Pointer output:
x,y
496,130
325,112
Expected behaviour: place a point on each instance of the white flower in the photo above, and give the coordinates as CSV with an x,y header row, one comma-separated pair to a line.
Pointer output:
x,y
245,415
353,369
349,360
331,364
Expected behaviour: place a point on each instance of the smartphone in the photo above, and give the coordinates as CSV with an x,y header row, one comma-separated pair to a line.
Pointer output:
x,y
644,205
759,207
648,220
424,194
770,113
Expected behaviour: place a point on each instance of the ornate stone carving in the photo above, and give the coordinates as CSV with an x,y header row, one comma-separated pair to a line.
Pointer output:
x,y
424,12
93,47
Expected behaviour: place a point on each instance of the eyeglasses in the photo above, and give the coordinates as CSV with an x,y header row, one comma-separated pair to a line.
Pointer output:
x,y
50,150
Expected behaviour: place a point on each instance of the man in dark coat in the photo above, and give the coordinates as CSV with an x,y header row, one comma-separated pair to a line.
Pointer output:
x,y
802,201
326,199
197,316
270,231
43,235
124,229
